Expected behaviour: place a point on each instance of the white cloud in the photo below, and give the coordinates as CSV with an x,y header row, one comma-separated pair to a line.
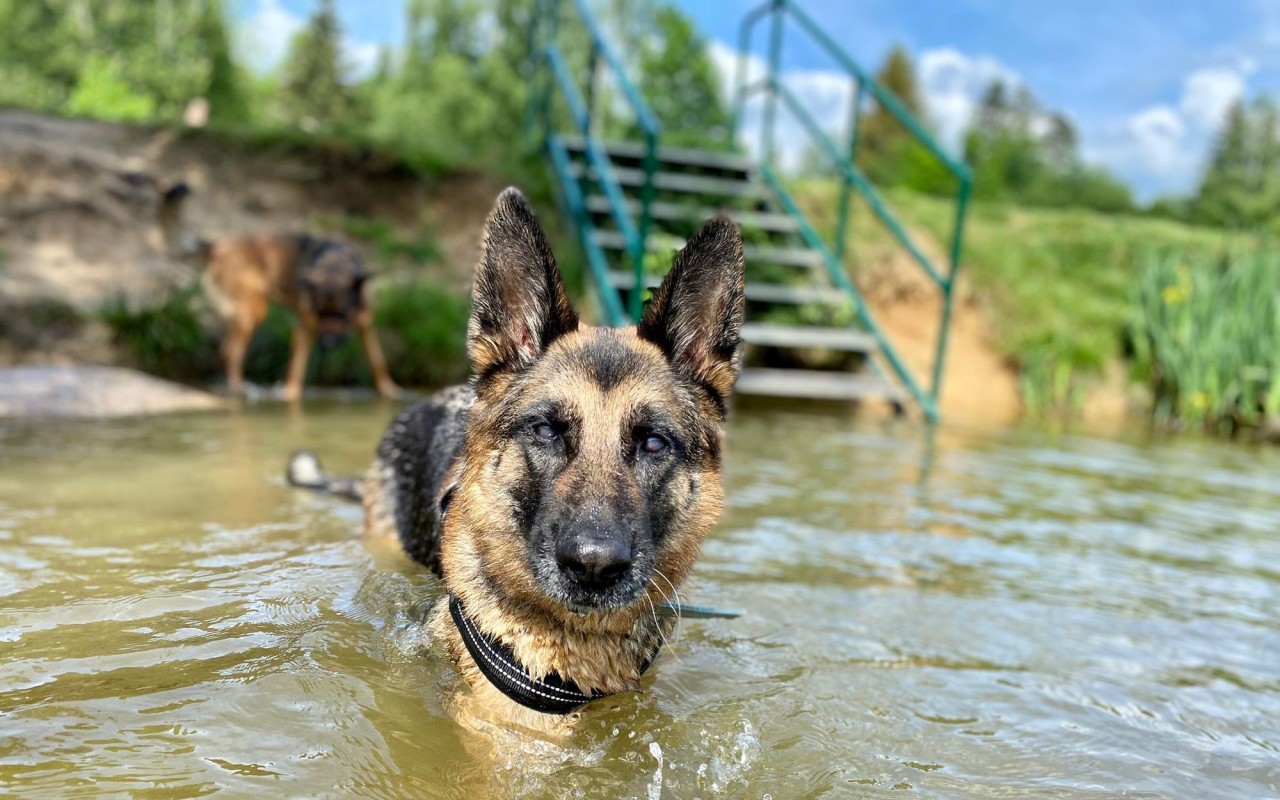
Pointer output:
x,y
951,85
263,38
360,58
1162,148
824,94
1207,93
1158,148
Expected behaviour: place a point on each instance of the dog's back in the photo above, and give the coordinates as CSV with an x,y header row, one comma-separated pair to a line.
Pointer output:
x,y
404,487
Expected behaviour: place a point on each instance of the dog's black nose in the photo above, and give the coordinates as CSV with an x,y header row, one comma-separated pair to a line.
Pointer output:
x,y
594,562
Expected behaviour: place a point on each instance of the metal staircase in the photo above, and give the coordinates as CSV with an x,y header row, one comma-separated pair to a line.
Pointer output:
x,y
632,203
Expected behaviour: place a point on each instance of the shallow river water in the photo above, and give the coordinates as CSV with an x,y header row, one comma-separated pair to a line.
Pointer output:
x,y
1011,614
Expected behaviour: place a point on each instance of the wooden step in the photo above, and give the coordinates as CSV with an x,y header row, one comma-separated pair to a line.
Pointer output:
x,y
676,182
814,384
779,293
770,334
674,212
755,254
683,156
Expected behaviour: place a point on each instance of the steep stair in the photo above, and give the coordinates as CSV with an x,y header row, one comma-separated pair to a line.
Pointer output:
x,y
801,335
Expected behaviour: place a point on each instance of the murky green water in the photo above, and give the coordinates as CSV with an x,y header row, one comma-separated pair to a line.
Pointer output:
x,y
979,615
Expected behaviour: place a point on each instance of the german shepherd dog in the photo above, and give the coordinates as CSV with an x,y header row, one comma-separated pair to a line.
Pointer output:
x,y
321,281
565,492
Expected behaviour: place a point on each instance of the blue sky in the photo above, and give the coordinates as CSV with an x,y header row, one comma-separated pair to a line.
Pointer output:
x,y
1145,81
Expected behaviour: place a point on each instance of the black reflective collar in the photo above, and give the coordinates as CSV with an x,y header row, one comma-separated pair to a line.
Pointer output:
x,y
551,695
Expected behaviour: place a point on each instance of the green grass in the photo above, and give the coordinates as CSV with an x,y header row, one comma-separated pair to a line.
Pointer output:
x,y
1058,282
388,246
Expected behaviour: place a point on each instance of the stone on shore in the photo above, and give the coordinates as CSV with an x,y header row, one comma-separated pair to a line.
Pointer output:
x,y
91,391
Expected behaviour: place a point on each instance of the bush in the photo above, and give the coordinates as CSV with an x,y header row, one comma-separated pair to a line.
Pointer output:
x,y
425,333
168,340
1206,335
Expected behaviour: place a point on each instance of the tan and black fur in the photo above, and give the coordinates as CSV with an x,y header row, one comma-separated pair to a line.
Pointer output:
x,y
322,281
578,472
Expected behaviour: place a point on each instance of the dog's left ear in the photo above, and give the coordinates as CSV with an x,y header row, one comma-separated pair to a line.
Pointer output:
x,y
519,303
696,316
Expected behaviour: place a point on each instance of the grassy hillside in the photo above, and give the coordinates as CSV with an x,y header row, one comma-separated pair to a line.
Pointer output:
x,y
1059,283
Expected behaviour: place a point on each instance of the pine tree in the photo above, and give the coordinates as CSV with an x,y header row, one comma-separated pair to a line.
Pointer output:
x,y
1223,196
1268,164
883,140
313,92
225,94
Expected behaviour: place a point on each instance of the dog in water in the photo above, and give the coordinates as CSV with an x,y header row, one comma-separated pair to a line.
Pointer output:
x,y
564,492
322,281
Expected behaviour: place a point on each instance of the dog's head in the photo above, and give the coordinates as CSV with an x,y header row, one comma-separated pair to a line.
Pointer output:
x,y
591,470
331,279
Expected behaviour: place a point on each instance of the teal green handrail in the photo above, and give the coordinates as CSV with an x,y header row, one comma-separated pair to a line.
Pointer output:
x,y
850,176
583,114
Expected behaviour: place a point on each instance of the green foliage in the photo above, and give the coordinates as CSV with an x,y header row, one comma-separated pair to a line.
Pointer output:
x,y
1021,152
885,146
460,95
425,333
314,94
1241,185
681,83
228,101
387,245
1206,334
1056,282
103,92
167,339
114,58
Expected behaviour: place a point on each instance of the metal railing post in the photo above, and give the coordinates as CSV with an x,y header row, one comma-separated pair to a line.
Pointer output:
x,y
593,59
846,186
771,99
642,229
940,356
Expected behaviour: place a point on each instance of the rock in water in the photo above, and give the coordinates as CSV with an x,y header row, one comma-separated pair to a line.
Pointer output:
x,y
86,391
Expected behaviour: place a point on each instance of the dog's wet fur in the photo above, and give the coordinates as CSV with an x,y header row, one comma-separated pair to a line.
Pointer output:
x,y
566,491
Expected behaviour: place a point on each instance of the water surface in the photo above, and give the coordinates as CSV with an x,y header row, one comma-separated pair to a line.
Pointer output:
x,y
1008,615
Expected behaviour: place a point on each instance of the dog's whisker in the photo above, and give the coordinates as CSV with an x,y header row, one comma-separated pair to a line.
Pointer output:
x,y
674,599
666,641
653,611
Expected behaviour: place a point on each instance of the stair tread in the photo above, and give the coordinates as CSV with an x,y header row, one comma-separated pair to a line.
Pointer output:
x,y
676,182
764,220
686,156
815,384
788,256
804,336
756,292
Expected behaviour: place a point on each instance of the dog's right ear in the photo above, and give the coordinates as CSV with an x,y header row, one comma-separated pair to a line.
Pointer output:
x,y
519,305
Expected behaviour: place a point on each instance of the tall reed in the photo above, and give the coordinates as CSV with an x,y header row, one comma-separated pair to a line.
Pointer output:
x,y
1206,334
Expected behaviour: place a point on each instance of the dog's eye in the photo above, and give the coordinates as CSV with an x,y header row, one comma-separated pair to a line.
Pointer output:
x,y
653,445
546,432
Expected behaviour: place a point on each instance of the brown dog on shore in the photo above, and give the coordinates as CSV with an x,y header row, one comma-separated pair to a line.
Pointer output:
x,y
321,281
564,493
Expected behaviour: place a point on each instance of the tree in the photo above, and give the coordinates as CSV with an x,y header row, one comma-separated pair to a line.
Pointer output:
x,y
884,143
115,58
680,83
226,96
1241,184
313,92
